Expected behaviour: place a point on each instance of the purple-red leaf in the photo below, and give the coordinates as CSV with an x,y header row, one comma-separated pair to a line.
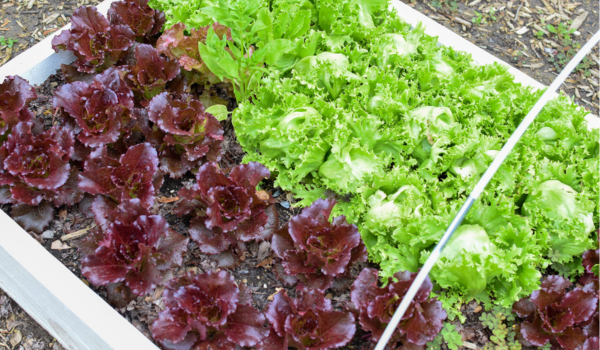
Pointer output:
x,y
32,218
227,210
95,42
15,94
207,311
99,110
138,16
137,253
566,319
151,72
312,247
307,322
130,177
376,306
190,135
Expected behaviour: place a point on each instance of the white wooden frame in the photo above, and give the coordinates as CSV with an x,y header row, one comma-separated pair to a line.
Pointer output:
x,y
76,316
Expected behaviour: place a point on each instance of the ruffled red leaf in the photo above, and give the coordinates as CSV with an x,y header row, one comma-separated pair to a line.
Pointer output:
x,y
376,306
151,72
226,212
99,110
95,42
137,15
190,134
15,94
552,289
209,241
32,218
307,322
210,309
572,339
136,253
245,326
567,320
130,177
310,246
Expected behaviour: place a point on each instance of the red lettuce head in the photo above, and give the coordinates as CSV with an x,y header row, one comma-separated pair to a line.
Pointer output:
x,y
136,254
100,111
15,94
95,42
376,305
307,322
151,72
208,311
228,209
132,176
138,16
316,250
34,164
568,320
189,135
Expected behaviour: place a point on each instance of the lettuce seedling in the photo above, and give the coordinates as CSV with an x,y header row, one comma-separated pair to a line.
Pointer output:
x,y
208,311
115,181
306,322
314,250
185,135
376,306
138,16
95,42
227,210
135,251
100,110
568,320
150,73
15,94
34,167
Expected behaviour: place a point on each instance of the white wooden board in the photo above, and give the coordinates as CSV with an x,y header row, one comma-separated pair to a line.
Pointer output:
x,y
77,317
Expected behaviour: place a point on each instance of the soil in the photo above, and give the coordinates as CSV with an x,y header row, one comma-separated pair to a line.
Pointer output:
x,y
19,331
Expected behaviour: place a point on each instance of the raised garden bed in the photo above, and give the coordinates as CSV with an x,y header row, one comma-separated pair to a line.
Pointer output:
x,y
143,310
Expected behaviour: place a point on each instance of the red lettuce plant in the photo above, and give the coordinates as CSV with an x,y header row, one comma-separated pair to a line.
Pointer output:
x,y
307,322
144,21
208,311
176,44
376,305
228,210
135,251
314,250
184,133
34,167
95,42
15,94
150,73
100,111
116,181
568,320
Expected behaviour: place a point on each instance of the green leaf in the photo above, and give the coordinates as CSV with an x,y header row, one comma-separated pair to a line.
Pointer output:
x,y
218,111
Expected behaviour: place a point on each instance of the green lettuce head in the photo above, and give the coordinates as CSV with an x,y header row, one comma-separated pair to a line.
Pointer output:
x,y
564,219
